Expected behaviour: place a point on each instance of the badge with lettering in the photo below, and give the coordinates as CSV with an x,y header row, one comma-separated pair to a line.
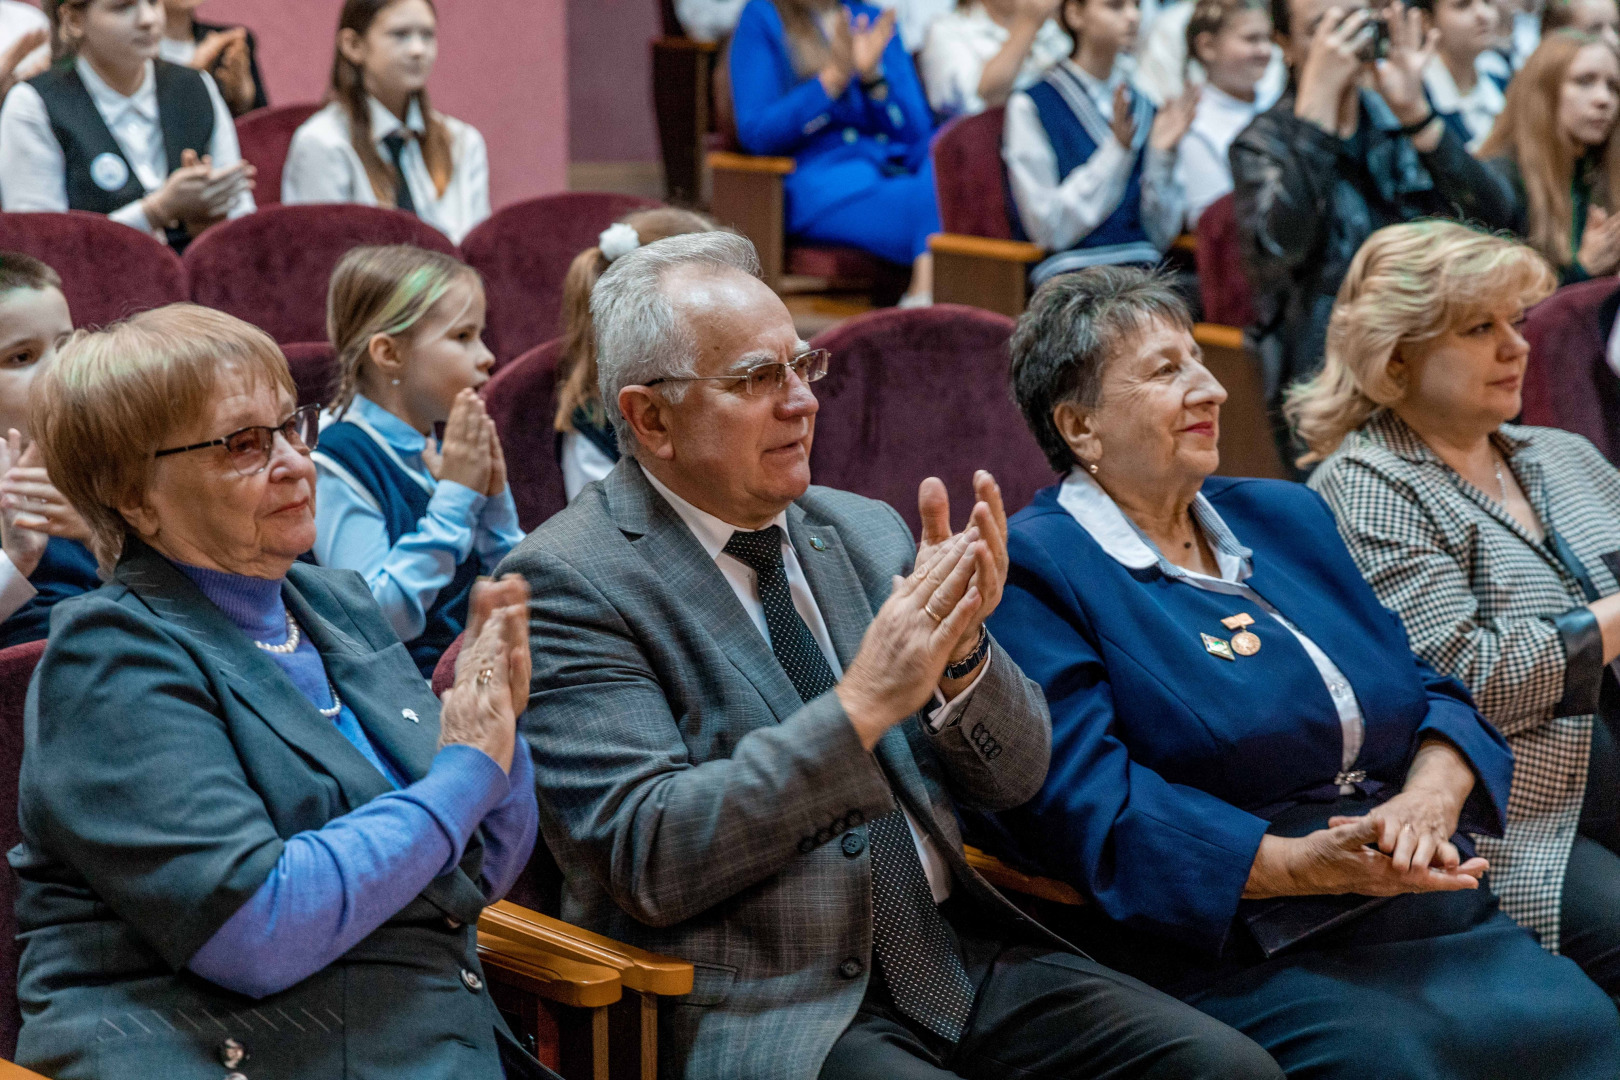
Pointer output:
x,y
109,172
1245,643
1216,647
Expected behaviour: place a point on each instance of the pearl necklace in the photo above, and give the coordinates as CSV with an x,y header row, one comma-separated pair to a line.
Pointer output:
x,y
1496,463
290,646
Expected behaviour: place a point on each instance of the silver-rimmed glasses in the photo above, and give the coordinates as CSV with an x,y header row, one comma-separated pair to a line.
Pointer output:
x,y
249,448
768,378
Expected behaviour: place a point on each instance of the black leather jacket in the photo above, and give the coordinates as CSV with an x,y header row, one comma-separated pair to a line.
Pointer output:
x,y
1306,200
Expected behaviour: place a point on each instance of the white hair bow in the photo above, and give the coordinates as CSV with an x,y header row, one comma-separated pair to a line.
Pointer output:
x,y
618,239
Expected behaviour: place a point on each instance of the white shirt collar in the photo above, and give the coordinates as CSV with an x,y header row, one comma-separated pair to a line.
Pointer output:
x,y
111,104
711,532
1445,96
1100,515
1102,90
384,123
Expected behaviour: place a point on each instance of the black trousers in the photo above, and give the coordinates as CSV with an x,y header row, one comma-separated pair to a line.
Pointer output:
x,y
1589,918
1041,1014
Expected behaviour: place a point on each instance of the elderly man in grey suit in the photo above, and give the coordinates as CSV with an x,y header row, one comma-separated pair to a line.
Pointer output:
x,y
755,703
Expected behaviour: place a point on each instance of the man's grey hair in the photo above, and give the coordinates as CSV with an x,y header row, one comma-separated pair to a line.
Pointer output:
x,y
640,336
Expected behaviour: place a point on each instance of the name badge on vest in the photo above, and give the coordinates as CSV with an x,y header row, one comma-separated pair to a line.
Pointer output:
x,y
109,171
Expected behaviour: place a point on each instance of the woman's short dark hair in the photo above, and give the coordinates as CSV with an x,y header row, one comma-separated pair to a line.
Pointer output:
x,y
19,271
1073,328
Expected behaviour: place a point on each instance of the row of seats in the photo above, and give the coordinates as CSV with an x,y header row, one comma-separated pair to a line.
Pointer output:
x,y
271,268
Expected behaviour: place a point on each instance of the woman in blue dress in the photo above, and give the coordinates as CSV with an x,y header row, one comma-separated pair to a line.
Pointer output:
x,y
828,83
1264,795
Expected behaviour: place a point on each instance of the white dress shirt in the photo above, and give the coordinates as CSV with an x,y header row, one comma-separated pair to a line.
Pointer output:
x,y
962,42
582,462
322,167
1058,212
714,534
33,169
1163,68
15,590
176,51
1201,161
17,19
1116,534
1478,108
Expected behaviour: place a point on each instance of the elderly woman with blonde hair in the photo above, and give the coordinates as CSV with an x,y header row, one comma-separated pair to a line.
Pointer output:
x,y
250,831
1495,542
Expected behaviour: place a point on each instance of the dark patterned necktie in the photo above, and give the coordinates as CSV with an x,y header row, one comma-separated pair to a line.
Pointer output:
x,y
402,190
920,961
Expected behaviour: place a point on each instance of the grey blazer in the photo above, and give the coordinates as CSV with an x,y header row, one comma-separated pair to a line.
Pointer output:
x,y
699,808
166,760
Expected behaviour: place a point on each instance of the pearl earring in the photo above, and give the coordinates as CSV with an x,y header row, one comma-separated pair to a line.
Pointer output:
x,y
1093,469
396,383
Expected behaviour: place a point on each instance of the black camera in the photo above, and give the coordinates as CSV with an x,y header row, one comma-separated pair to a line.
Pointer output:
x,y
1375,35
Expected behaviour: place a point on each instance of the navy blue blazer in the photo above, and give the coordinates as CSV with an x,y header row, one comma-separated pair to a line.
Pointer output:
x,y
1168,762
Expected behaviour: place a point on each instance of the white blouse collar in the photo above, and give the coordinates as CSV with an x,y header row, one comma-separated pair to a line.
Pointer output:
x,y
1118,536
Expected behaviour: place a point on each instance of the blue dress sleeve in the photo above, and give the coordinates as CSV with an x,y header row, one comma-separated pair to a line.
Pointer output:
x,y
775,111
1154,855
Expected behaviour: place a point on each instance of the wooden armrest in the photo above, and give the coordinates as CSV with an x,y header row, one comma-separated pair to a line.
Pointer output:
x,y
637,969
686,44
1007,879
8,1071
983,247
532,964
1217,336
727,161
1186,242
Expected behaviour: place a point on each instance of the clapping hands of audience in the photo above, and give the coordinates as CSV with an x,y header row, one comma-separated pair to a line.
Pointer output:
x,y
989,517
197,194
1334,61
1600,243
470,452
1400,74
492,673
1171,124
1034,13
224,54
857,50
31,509
13,70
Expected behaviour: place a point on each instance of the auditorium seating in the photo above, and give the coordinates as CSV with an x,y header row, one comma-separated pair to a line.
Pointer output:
x,y
271,268
918,393
683,98
523,252
314,370
521,399
108,270
265,136
1221,282
1568,379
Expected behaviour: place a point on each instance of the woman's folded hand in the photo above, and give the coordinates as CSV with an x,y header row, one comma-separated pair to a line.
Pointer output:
x,y
492,673
1341,859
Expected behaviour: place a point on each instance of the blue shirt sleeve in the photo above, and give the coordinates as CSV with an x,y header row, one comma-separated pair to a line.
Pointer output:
x,y
775,110
902,113
333,886
498,529
511,828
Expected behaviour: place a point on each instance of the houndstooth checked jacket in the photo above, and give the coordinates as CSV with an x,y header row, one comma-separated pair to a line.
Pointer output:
x,y
1484,601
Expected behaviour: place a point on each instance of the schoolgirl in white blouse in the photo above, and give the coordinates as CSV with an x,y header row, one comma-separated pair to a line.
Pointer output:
x,y
378,142
986,49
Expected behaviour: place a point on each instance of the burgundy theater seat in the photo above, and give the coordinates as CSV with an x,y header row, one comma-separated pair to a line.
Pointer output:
x,y
314,370
968,152
523,252
522,400
16,668
1566,381
266,136
1221,282
271,268
108,270
918,393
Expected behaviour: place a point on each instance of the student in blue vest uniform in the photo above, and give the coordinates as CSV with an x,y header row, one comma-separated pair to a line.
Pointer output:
x,y
1090,163
829,83
44,559
419,518
113,130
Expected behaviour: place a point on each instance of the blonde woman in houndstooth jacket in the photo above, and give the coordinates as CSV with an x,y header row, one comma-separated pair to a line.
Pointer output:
x,y
1496,544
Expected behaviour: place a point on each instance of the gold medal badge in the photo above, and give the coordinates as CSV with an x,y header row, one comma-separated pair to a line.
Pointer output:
x,y
1244,643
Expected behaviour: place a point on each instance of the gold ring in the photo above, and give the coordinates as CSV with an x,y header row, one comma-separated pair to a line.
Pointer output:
x,y
486,675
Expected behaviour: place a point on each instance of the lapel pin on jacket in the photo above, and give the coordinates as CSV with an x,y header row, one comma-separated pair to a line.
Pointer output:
x,y
410,714
1245,643
818,543
1217,647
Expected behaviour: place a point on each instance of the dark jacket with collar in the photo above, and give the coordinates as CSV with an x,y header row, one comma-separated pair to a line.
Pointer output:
x,y
1305,204
166,762
699,807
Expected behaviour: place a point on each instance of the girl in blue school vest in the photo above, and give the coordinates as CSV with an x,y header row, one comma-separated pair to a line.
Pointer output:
x,y
418,516
1090,163
829,83
114,130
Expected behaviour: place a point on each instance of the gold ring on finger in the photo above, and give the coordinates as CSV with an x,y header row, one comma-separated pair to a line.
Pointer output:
x,y
485,675
930,611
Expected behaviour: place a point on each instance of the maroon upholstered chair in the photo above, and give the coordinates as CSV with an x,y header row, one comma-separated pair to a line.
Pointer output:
x,y
271,268
266,136
1568,383
16,668
523,252
919,393
1224,288
314,370
108,270
522,400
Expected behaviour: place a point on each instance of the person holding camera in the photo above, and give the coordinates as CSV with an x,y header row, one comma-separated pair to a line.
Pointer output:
x,y
1356,146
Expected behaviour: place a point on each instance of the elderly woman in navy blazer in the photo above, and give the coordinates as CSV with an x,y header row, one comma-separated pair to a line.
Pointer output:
x,y
1264,794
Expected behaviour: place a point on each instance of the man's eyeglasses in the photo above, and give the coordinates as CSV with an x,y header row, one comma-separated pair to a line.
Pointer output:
x,y
249,449
763,379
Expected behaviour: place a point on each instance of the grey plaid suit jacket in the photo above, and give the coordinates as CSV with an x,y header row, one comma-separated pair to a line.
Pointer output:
x,y
699,808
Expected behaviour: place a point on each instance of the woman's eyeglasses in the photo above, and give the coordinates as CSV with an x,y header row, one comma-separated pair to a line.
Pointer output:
x,y
763,379
249,449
